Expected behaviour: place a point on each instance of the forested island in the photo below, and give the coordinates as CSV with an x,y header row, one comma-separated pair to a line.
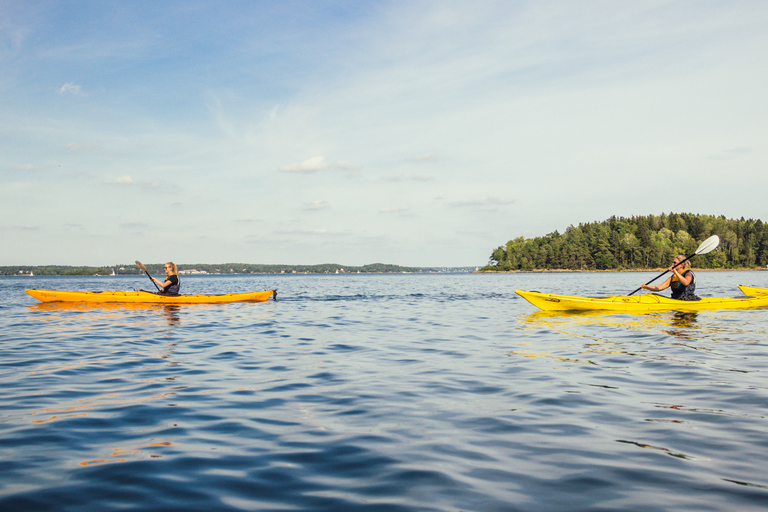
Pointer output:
x,y
637,243
219,269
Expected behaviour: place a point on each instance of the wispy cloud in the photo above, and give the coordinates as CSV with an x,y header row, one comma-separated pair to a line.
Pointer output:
x,y
312,232
412,177
69,88
129,181
730,154
318,163
25,167
485,201
316,205
134,225
425,158
77,147
397,209
314,164
347,166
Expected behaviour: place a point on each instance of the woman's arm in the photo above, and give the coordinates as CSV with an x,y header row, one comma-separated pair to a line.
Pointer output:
x,y
162,284
662,286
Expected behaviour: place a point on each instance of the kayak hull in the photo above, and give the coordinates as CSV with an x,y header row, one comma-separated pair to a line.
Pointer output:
x,y
644,303
145,297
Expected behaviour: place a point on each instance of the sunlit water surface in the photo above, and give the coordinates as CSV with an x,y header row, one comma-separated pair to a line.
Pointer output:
x,y
381,392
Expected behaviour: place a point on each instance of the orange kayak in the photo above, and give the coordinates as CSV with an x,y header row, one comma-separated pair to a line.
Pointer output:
x,y
145,297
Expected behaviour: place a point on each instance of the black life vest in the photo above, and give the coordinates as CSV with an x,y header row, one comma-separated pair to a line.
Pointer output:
x,y
174,287
682,292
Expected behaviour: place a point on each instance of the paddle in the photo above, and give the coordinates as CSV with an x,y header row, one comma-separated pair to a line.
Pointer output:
x,y
142,267
708,245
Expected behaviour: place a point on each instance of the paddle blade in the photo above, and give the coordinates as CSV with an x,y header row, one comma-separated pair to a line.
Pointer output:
x,y
708,245
141,265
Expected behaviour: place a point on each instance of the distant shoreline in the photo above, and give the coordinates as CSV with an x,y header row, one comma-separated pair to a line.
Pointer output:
x,y
222,269
82,272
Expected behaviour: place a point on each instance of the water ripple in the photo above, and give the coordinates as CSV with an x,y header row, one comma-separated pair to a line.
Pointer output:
x,y
396,393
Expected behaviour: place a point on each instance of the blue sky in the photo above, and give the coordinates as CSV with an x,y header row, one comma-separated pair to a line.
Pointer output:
x,y
410,132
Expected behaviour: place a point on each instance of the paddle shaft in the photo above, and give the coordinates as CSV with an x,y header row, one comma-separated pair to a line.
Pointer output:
x,y
142,267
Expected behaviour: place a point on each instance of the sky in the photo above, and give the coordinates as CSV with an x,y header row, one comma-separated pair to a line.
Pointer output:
x,y
416,133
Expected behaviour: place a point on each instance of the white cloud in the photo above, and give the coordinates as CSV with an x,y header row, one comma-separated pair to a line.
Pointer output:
x,y
400,209
316,205
70,88
134,225
25,167
318,163
485,201
129,181
311,232
426,157
344,165
75,147
413,177
314,164
730,154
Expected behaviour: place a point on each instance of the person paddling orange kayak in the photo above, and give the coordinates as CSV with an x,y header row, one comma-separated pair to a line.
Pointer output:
x,y
171,285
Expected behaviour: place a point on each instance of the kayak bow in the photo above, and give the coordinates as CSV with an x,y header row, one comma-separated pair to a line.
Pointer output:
x,y
638,303
145,297
752,291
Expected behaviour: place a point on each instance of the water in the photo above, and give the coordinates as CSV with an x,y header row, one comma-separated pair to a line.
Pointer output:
x,y
381,392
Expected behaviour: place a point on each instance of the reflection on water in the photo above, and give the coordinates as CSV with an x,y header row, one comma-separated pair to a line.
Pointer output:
x,y
686,320
609,332
130,453
104,310
570,323
683,322
171,313
660,448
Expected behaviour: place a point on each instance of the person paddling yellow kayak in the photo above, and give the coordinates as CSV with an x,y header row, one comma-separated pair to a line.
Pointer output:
x,y
682,281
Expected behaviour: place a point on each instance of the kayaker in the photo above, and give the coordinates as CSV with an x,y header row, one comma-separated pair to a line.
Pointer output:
x,y
682,281
171,285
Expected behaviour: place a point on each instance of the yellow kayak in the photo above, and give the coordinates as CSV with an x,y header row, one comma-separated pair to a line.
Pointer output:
x,y
144,297
752,291
639,303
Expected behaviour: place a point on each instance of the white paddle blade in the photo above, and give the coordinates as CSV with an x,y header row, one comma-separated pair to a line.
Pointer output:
x,y
708,245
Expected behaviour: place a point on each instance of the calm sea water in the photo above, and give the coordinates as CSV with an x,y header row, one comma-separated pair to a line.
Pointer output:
x,y
440,392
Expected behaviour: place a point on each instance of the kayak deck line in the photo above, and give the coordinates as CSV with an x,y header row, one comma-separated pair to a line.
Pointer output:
x,y
145,297
640,303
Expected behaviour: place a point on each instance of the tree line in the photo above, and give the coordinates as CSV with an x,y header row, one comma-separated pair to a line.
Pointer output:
x,y
641,242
